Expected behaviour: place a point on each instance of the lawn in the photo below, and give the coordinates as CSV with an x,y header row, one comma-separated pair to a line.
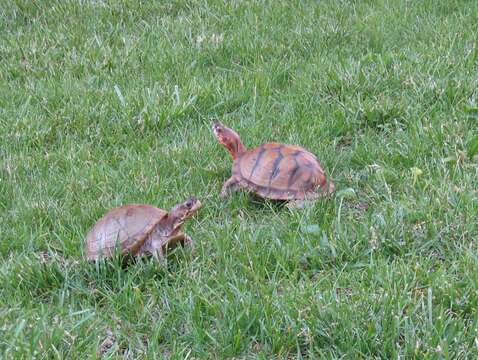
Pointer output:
x,y
103,104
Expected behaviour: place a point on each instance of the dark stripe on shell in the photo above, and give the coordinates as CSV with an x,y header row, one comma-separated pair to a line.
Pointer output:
x,y
256,164
291,180
275,167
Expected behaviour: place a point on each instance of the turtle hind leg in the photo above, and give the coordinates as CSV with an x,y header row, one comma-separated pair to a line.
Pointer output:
x,y
231,185
325,190
300,204
308,201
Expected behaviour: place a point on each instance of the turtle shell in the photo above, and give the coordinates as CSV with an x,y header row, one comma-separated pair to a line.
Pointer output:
x,y
282,172
125,227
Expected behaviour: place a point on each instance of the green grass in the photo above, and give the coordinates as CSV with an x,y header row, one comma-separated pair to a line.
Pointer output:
x,y
103,104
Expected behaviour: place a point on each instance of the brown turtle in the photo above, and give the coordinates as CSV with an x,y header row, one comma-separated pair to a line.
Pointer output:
x,y
273,170
139,229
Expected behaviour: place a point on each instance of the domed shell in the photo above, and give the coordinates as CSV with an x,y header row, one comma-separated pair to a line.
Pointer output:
x,y
125,228
282,172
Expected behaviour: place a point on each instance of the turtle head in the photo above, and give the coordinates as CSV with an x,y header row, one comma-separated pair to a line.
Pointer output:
x,y
228,138
183,211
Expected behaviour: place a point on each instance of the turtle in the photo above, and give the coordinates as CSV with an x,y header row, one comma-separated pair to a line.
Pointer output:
x,y
137,229
273,170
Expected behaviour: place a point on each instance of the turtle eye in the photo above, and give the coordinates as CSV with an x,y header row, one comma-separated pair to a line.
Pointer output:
x,y
189,204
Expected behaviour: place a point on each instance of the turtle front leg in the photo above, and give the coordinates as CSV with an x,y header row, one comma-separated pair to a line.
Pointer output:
x,y
154,246
232,184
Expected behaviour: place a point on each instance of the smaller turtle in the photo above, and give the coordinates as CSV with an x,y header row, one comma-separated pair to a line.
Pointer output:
x,y
273,170
139,229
